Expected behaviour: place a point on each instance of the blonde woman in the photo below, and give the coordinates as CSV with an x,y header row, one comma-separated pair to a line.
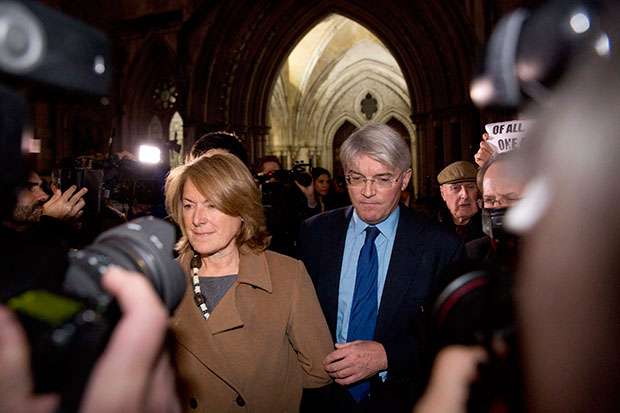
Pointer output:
x,y
249,332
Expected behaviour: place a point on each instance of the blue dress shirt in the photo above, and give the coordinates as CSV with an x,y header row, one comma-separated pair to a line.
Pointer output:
x,y
352,247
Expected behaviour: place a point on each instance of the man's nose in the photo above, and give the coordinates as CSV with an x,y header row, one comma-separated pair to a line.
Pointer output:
x,y
463,192
368,189
40,195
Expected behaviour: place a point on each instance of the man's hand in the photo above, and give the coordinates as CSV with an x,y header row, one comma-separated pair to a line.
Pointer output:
x,y
65,206
485,152
355,361
308,192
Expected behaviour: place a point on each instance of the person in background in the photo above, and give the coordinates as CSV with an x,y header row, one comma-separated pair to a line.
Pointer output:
x,y
249,332
338,197
502,181
34,204
321,178
267,164
286,201
457,183
219,142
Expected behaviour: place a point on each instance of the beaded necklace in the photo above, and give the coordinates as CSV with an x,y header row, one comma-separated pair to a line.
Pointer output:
x,y
199,297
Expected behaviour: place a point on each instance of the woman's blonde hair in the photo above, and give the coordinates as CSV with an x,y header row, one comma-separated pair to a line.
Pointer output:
x,y
226,183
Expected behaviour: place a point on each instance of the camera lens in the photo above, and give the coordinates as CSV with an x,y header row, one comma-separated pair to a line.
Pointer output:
x,y
304,178
143,245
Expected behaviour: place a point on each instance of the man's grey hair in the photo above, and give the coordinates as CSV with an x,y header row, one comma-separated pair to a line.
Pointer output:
x,y
378,141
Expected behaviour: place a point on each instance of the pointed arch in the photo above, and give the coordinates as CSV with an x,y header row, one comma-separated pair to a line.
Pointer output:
x,y
153,67
242,51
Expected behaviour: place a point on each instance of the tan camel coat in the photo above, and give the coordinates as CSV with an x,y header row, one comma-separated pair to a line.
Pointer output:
x,y
263,343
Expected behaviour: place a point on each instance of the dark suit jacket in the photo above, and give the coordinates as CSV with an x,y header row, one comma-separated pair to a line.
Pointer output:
x,y
423,250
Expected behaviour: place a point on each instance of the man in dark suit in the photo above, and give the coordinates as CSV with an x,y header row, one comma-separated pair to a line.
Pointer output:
x,y
411,253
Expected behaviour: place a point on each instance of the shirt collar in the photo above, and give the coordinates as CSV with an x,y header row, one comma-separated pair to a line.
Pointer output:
x,y
387,226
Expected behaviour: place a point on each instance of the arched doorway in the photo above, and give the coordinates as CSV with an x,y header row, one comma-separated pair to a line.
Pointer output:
x,y
339,73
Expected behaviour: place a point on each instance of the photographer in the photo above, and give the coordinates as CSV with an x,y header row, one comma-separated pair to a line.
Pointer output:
x,y
288,198
90,335
38,218
33,204
501,181
133,374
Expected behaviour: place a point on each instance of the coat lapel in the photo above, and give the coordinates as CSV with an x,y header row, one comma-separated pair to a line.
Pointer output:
x,y
253,270
405,259
192,331
198,335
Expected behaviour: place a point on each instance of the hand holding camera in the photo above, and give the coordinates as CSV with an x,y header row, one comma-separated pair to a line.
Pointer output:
x,y
67,205
132,371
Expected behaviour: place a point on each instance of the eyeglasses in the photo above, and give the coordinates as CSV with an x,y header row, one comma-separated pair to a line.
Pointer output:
x,y
381,182
502,201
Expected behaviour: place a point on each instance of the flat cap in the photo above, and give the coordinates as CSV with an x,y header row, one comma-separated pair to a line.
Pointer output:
x,y
461,171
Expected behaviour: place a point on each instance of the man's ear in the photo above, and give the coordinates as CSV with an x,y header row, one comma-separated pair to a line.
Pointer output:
x,y
441,191
406,178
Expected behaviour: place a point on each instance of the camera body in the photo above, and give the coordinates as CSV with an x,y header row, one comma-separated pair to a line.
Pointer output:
x,y
493,222
69,321
298,173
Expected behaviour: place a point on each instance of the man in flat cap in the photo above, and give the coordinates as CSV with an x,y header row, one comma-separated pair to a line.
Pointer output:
x,y
459,191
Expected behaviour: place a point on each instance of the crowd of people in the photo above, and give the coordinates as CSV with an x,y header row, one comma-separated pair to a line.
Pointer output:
x,y
301,298
341,319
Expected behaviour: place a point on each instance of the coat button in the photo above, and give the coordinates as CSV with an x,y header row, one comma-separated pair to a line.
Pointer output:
x,y
240,401
193,403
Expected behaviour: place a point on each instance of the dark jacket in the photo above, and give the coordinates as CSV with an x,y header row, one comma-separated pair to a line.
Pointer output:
x,y
469,232
422,250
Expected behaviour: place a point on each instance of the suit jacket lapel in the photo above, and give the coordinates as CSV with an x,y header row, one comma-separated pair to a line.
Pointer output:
x,y
333,254
406,255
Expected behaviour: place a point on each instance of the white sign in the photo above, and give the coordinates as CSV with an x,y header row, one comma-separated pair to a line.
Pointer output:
x,y
506,136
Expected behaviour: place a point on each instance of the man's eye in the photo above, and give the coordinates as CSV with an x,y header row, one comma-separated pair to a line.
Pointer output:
x,y
384,180
356,179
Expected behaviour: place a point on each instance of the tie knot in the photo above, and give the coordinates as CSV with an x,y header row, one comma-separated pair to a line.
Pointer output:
x,y
371,234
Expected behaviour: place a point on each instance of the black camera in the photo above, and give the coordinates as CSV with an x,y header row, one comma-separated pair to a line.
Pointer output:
x,y
69,319
91,179
297,174
66,314
277,187
477,308
493,222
